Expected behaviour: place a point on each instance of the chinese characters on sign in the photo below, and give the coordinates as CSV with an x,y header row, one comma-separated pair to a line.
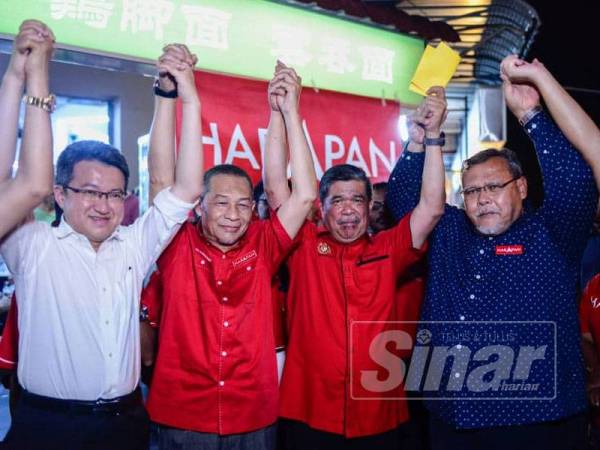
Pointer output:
x,y
211,27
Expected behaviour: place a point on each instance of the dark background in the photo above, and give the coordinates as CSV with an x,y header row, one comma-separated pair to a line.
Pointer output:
x,y
568,45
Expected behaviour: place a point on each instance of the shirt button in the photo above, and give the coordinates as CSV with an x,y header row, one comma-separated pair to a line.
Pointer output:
x,y
223,353
221,383
225,299
481,251
471,296
103,289
491,238
202,262
219,283
110,355
106,322
478,277
462,317
248,268
223,256
225,324
457,375
458,347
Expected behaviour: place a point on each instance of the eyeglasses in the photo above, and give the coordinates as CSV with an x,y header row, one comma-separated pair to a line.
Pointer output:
x,y
115,196
492,189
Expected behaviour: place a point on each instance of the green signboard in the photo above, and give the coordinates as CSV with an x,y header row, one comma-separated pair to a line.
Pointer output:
x,y
241,37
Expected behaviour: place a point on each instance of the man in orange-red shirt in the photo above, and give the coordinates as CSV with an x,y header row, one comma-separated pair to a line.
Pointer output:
x,y
589,318
342,297
215,378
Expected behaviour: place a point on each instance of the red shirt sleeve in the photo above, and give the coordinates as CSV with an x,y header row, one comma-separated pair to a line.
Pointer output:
x,y
152,299
590,293
276,241
9,344
399,242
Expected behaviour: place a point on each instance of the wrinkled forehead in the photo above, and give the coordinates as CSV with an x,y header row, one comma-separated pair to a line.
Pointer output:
x,y
230,186
347,189
491,171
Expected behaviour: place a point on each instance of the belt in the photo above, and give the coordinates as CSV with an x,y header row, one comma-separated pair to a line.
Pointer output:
x,y
115,405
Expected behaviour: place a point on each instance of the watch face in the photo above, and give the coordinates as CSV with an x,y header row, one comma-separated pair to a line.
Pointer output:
x,y
49,103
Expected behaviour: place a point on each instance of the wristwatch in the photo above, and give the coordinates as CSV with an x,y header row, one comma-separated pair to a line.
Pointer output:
x,y
46,103
161,93
530,115
436,141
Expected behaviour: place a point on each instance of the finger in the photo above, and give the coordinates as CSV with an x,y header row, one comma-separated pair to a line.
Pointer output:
x,y
176,50
289,87
173,52
186,51
284,76
35,24
436,91
166,67
281,63
172,60
288,72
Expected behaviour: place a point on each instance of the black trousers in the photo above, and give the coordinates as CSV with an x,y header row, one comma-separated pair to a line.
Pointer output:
x,y
565,434
299,436
37,427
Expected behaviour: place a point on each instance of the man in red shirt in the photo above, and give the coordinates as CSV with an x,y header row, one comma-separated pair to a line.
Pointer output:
x,y
342,294
589,318
215,378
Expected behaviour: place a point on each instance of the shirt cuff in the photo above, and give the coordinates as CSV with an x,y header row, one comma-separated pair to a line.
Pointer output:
x,y
529,115
172,206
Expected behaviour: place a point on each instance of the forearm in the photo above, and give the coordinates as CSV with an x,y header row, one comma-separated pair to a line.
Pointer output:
x,y
148,336
275,163
11,90
573,121
404,185
433,196
35,161
304,179
161,155
190,161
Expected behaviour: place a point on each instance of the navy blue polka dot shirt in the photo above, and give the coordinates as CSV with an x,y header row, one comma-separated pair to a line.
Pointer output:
x,y
469,281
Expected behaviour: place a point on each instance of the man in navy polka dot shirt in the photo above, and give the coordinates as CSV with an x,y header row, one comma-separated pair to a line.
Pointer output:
x,y
499,260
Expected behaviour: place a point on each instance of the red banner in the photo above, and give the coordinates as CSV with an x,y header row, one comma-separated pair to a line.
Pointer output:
x,y
340,128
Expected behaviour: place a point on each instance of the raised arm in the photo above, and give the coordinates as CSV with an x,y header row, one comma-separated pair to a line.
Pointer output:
x,y
185,178
570,193
33,181
573,121
286,88
404,184
429,210
275,164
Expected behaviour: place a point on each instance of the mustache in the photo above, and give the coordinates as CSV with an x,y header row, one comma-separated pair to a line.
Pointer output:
x,y
485,211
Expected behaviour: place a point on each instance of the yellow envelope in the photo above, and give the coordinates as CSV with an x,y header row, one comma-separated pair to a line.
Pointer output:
x,y
436,68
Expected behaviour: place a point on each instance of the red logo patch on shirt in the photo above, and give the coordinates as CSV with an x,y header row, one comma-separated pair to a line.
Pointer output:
x,y
242,259
323,248
509,250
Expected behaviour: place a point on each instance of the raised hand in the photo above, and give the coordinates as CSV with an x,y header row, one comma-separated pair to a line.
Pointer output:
x,y
518,79
32,34
432,112
416,133
176,71
284,90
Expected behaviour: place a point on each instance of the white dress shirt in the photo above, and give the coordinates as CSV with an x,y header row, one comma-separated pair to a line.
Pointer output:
x,y
79,309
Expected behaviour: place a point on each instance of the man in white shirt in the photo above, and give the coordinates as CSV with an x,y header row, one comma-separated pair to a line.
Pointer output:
x,y
78,288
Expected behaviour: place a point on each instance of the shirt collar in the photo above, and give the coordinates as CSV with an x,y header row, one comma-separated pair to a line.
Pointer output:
x,y
64,230
322,231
